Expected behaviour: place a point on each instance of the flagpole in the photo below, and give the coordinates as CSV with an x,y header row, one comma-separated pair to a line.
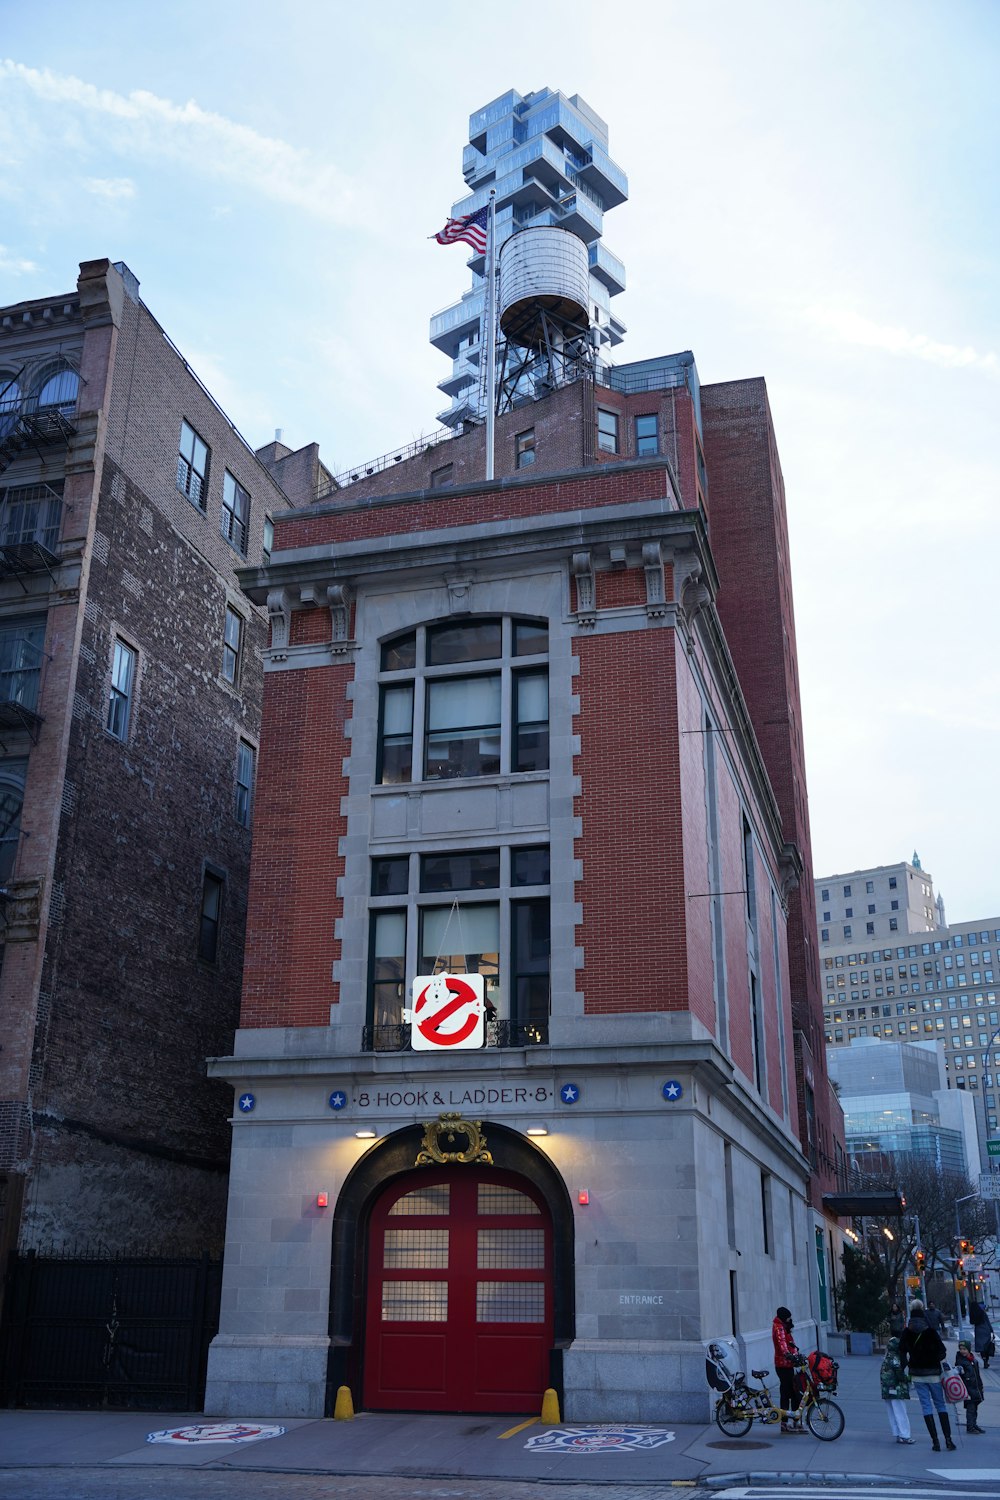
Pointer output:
x,y
491,335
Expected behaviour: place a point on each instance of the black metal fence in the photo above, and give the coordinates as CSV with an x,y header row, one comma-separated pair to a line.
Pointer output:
x,y
498,1034
96,1332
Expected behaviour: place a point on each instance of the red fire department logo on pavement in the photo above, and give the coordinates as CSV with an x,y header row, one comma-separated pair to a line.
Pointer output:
x,y
448,1011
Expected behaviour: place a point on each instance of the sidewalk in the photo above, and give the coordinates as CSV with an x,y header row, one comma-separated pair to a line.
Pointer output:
x,y
474,1447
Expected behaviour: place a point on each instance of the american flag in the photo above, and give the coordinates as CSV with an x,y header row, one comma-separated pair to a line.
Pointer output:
x,y
471,229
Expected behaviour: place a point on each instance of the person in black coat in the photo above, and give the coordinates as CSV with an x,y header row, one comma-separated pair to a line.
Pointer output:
x,y
982,1332
924,1353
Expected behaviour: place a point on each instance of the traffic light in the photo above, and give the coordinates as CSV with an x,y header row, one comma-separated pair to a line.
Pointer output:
x,y
920,1261
966,1247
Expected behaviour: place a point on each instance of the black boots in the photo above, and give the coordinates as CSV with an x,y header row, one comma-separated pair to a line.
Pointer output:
x,y
945,1421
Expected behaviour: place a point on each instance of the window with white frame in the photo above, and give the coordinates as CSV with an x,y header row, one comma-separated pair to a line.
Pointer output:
x,y
464,699
471,911
122,690
246,760
235,513
232,645
192,467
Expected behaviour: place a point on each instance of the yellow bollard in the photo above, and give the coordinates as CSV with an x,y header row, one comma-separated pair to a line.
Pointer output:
x,y
550,1407
343,1409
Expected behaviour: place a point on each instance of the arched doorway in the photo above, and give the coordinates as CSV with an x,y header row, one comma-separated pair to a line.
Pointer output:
x,y
459,1305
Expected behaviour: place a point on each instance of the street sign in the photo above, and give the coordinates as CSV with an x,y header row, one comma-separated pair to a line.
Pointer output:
x,y
449,1010
989,1185
993,1148
973,1265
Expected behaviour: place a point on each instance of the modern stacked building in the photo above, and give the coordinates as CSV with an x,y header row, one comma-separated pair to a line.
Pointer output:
x,y
545,156
130,686
541,735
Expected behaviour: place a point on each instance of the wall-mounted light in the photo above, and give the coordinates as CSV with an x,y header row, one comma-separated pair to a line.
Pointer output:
x,y
322,1200
366,1133
537,1130
583,1196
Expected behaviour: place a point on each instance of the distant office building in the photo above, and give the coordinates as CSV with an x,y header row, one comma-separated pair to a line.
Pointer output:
x,y
876,903
896,1102
546,157
917,980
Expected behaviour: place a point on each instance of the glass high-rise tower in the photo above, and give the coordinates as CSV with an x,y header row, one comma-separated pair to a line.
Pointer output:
x,y
546,156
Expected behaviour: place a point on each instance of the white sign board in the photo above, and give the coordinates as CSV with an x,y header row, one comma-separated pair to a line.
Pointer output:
x,y
989,1185
449,1011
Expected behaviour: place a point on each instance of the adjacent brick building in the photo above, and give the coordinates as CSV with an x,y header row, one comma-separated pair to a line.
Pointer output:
x,y
130,686
512,728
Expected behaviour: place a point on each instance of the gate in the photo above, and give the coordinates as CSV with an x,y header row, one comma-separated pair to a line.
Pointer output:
x,y
459,1314
128,1333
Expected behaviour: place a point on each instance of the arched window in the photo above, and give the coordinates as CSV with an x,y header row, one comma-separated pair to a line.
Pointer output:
x,y
11,798
58,390
10,401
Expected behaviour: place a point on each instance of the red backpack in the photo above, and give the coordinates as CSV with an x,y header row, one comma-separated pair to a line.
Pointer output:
x,y
823,1369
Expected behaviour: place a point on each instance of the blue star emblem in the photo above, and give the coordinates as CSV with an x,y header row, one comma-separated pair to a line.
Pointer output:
x,y
247,1102
569,1093
672,1089
338,1099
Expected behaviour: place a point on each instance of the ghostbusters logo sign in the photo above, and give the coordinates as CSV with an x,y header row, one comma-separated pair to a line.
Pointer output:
x,y
449,1010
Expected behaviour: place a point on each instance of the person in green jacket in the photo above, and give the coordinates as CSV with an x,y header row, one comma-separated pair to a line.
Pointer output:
x,y
896,1392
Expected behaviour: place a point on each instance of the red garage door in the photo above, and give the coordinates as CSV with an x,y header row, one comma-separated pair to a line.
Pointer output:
x,y
459,1311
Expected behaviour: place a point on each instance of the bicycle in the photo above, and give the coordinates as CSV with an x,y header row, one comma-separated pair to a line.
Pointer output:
x,y
738,1408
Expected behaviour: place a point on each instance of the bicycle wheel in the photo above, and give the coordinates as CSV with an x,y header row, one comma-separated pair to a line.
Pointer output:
x,y
733,1421
825,1419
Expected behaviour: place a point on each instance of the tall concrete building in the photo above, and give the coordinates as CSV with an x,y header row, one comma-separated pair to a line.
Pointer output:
x,y
864,904
546,157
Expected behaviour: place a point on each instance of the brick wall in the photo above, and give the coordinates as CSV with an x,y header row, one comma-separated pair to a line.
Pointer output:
x,y
293,892
749,538
631,843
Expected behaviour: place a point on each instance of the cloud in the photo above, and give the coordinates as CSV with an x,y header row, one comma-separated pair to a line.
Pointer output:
x,y
14,265
110,187
848,327
203,139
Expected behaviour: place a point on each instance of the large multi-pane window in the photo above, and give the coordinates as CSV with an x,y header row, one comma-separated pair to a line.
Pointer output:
x,y
122,689
21,655
192,467
235,513
471,911
464,699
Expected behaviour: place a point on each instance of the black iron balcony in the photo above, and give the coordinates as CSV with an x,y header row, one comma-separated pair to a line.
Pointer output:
x,y
498,1034
23,424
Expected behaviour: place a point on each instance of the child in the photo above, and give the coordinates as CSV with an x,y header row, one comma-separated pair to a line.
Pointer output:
x,y
896,1392
968,1367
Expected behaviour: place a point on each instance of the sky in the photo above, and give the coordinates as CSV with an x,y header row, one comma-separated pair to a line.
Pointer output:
x,y
813,198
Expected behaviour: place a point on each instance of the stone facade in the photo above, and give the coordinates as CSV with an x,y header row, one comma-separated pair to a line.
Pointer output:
x,y
664,1069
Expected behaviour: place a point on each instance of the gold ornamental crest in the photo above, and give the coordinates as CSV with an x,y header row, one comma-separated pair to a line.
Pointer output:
x,y
449,1139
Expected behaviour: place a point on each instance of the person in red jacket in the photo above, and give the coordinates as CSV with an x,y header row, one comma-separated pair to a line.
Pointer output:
x,y
786,1357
